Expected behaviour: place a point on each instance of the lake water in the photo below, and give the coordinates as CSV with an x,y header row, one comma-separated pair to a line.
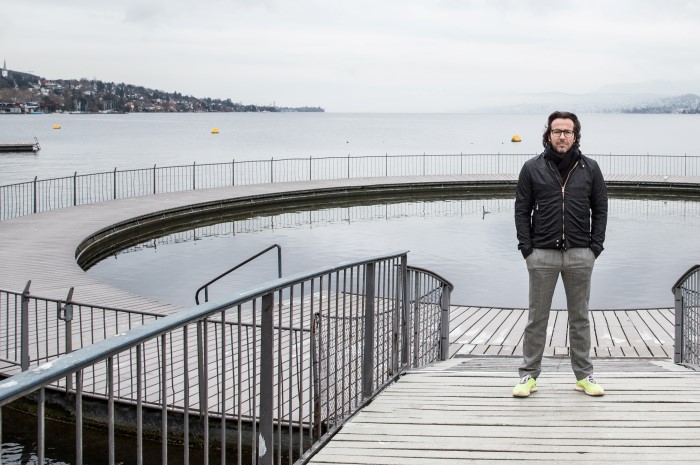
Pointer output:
x,y
95,143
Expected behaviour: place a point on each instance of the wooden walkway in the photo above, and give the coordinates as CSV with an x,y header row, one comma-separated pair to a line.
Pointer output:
x,y
462,412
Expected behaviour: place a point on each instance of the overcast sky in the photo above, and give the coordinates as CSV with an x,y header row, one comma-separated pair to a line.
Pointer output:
x,y
361,55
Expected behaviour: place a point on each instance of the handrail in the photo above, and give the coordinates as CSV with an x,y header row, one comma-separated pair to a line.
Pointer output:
x,y
433,274
205,287
684,277
686,293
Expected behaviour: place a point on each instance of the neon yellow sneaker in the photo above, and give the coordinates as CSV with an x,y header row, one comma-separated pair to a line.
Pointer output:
x,y
525,386
589,386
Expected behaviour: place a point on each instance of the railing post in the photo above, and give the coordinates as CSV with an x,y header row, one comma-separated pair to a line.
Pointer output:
x,y
35,199
416,320
368,355
233,172
154,179
114,180
348,166
24,329
272,164
267,372
678,349
310,171
445,323
405,312
396,321
194,176
75,188
66,314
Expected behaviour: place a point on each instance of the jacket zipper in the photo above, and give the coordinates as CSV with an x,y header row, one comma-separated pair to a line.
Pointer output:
x,y
563,203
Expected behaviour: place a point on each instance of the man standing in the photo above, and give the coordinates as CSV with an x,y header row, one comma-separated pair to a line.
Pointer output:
x,y
561,211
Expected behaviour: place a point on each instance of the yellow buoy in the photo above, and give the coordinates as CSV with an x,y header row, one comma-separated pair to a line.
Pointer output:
x,y
57,126
214,130
515,138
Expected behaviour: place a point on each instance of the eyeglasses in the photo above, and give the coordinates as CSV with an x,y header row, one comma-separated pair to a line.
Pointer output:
x,y
566,133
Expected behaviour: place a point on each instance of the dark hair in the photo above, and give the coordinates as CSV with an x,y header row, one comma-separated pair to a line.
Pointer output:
x,y
563,115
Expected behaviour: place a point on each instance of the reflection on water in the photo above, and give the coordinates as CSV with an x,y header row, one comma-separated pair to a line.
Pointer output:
x,y
471,242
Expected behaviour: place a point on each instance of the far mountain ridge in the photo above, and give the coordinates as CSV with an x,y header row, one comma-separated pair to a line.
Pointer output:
x,y
602,102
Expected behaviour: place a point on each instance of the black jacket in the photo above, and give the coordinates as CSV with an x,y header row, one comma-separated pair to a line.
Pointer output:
x,y
552,212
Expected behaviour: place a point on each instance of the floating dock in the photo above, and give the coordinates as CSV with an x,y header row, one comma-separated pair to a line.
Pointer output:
x,y
20,146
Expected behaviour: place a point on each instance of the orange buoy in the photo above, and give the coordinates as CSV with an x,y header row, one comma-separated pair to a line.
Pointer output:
x,y
57,126
214,130
515,138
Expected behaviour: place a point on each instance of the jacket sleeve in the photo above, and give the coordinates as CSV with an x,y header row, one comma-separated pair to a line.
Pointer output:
x,y
524,202
599,211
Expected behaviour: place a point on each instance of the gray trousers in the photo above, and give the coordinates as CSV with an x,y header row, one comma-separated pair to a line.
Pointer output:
x,y
544,266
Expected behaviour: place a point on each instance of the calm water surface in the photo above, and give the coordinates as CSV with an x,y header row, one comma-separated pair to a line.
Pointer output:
x,y
96,143
650,243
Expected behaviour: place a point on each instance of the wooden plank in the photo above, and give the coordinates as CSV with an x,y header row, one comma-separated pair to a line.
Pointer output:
x,y
446,415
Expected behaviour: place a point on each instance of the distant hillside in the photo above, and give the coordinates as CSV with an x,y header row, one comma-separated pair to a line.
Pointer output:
x,y
93,96
682,104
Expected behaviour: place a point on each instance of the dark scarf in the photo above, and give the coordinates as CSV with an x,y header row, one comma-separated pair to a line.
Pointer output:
x,y
564,162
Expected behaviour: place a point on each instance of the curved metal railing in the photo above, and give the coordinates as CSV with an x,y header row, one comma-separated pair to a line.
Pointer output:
x,y
276,370
687,295
50,194
205,287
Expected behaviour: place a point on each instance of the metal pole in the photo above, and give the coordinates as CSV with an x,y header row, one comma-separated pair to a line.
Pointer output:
x,y
164,402
139,405
267,372
405,313
272,163
75,188
194,176
368,356
154,179
114,180
41,427
445,323
79,417
678,352
24,329
416,319
66,315
35,199
186,392
110,410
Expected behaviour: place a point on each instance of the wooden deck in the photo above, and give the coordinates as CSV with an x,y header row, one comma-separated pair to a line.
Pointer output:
x,y
614,333
461,411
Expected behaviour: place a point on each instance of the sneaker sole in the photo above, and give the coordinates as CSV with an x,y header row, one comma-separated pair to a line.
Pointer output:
x,y
525,395
594,394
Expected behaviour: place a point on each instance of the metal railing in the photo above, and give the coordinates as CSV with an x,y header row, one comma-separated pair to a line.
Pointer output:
x,y
205,287
687,296
267,377
50,194
35,330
